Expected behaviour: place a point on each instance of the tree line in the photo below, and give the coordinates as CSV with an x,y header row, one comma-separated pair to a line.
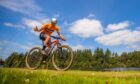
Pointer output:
x,y
86,59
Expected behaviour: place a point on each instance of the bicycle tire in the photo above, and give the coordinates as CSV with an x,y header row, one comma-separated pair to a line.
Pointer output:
x,y
39,61
71,59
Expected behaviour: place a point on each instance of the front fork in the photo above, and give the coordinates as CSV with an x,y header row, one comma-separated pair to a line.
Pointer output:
x,y
60,51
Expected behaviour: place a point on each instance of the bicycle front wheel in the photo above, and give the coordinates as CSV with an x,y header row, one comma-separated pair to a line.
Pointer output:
x,y
62,58
34,58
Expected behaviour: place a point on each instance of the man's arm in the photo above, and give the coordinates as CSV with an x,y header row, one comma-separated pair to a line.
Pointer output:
x,y
58,32
39,30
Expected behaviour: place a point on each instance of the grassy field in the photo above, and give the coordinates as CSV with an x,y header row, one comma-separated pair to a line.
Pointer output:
x,y
25,76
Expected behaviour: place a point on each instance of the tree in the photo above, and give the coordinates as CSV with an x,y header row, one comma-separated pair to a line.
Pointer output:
x,y
12,60
99,56
86,59
1,61
107,55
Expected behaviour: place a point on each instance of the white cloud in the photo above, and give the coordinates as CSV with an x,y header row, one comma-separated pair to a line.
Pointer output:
x,y
86,28
28,24
78,47
7,47
8,24
28,7
31,23
137,28
46,20
91,15
56,15
122,37
11,43
3,42
134,46
114,27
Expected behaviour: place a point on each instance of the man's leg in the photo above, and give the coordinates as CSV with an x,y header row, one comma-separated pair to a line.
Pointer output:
x,y
46,40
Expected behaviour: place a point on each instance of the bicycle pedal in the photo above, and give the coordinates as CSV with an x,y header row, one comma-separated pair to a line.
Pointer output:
x,y
43,52
44,61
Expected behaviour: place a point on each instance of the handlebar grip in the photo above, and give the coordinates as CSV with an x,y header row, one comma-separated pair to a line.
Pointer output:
x,y
55,37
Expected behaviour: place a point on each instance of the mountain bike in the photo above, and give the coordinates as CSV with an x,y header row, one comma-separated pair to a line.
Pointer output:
x,y
61,55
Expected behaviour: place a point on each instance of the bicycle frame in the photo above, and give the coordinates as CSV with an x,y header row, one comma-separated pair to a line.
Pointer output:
x,y
54,50
53,44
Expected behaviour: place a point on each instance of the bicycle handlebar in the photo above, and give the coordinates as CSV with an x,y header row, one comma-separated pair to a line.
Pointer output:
x,y
55,37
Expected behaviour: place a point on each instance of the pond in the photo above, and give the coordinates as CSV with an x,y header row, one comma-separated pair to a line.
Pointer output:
x,y
1,66
122,69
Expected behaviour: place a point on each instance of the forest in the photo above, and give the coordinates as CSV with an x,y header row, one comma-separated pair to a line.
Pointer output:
x,y
86,59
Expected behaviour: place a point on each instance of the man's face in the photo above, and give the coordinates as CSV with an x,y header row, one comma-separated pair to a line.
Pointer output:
x,y
53,23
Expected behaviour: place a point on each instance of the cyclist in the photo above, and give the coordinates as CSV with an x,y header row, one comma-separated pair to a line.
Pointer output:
x,y
46,31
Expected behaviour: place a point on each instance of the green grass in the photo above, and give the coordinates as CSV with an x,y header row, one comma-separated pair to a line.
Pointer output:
x,y
25,76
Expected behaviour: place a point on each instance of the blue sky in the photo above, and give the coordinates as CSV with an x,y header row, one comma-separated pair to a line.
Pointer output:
x,y
112,24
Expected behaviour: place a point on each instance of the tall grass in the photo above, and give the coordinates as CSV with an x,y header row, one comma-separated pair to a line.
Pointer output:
x,y
25,76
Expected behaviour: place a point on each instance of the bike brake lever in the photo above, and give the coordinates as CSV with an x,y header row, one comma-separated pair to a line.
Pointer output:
x,y
63,39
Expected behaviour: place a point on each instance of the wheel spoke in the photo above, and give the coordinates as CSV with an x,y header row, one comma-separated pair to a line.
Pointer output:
x,y
34,58
63,58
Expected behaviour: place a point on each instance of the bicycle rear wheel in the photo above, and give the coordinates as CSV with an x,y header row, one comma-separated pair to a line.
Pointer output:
x,y
34,58
62,58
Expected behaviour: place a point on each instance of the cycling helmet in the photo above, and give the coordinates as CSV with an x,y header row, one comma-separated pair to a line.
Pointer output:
x,y
54,20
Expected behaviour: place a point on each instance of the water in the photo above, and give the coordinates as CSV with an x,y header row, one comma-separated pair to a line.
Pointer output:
x,y
123,69
1,66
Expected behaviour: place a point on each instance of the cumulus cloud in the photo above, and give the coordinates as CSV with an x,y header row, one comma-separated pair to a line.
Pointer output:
x,y
121,37
31,23
134,46
27,24
6,42
119,26
28,7
91,15
78,47
7,47
137,28
86,28
8,24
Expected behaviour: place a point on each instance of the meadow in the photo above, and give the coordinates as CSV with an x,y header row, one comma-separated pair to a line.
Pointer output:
x,y
44,76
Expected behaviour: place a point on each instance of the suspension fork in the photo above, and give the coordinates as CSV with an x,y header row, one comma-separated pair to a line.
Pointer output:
x,y
60,50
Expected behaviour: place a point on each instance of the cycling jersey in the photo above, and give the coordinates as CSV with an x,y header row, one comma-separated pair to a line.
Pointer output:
x,y
49,28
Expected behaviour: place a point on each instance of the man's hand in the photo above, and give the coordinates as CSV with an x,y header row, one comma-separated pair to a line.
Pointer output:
x,y
58,32
62,37
36,29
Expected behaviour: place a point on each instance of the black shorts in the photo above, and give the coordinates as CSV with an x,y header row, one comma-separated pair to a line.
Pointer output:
x,y
43,36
